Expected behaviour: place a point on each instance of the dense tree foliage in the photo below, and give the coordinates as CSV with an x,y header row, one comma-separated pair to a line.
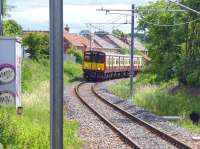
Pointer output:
x,y
174,45
37,45
11,28
85,32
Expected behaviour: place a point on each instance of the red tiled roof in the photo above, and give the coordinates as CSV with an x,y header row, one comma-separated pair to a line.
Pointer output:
x,y
76,39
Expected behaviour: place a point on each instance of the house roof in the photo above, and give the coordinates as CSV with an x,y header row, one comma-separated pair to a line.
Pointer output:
x,y
105,41
117,41
76,39
138,44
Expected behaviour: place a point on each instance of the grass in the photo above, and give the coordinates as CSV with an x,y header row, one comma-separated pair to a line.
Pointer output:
x,y
157,99
31,129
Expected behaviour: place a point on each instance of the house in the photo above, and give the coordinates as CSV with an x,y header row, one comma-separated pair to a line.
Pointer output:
x,y
100,41
75,40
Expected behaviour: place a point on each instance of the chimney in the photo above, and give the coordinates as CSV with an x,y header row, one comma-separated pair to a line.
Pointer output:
x,y
67,28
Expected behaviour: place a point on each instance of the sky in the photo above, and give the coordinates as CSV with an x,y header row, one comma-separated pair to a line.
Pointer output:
x,y
34,14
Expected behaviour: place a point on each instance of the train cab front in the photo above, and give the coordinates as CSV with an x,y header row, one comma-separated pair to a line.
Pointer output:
x,y
94,65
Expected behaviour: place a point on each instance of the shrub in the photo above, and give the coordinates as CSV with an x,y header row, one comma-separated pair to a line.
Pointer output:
x,y
77,53
193,79
72,71
37,45
146,79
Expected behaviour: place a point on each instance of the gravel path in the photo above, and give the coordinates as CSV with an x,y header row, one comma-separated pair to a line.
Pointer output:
x,y
181,134
94,133
139,134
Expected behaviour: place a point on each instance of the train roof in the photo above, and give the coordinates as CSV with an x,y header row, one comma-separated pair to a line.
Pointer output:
x,y
114,54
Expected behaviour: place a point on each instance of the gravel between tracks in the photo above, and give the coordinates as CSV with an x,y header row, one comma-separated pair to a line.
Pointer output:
x,y
94,133
139,134
181,134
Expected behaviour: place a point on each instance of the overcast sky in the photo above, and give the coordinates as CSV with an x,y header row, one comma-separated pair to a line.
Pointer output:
x,y
34,14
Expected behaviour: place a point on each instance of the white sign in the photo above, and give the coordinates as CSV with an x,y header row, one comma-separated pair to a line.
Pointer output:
x,y
10,72
7,73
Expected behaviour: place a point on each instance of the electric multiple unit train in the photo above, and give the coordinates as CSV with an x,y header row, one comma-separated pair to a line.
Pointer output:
x,y
101,65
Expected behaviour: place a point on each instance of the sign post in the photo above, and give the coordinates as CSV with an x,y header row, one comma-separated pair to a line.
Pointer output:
x,y
56,84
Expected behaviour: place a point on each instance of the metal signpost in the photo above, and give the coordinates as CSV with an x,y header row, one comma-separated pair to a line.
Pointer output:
x,y
56,84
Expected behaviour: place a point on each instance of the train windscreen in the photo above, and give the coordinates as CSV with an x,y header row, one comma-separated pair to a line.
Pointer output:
x,y
94,57
100,58
87,56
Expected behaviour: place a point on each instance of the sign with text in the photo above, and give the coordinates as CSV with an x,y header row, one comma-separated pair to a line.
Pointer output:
x,y
10,72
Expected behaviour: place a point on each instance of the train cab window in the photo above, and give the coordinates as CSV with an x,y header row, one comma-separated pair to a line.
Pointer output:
x,y
100,58
87,57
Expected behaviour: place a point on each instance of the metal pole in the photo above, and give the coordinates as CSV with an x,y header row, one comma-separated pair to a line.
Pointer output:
x,y
56,83
90,37
132,52
1,14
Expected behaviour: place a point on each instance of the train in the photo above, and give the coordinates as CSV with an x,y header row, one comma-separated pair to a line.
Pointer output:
x,y
98,65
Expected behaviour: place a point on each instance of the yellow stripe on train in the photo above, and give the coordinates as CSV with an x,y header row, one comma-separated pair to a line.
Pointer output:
x,y
93,66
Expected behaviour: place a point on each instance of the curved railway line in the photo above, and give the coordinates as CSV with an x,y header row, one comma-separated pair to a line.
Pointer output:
x,y
137,133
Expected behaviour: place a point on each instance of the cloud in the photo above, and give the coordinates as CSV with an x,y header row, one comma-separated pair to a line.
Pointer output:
x,y
45,3
35,13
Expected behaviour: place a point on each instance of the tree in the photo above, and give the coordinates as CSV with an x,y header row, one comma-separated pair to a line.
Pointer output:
x,y
6,8
175,50
37,45
85,32
11,28
117,33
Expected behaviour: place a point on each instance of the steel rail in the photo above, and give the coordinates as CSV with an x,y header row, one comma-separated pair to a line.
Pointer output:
x,y
151,128
122,135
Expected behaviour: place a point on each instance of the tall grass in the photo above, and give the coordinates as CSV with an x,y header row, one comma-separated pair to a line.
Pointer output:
x,y
158,99
31,129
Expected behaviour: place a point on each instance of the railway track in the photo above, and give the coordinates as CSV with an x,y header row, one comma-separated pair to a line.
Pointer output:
x,y
135,132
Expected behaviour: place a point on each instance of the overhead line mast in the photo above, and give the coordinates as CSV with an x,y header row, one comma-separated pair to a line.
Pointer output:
x,y
56,81
132,41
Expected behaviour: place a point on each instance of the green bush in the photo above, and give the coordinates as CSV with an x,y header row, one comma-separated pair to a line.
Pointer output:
x,y
193,79
37,45
77,53
72,70
146,79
